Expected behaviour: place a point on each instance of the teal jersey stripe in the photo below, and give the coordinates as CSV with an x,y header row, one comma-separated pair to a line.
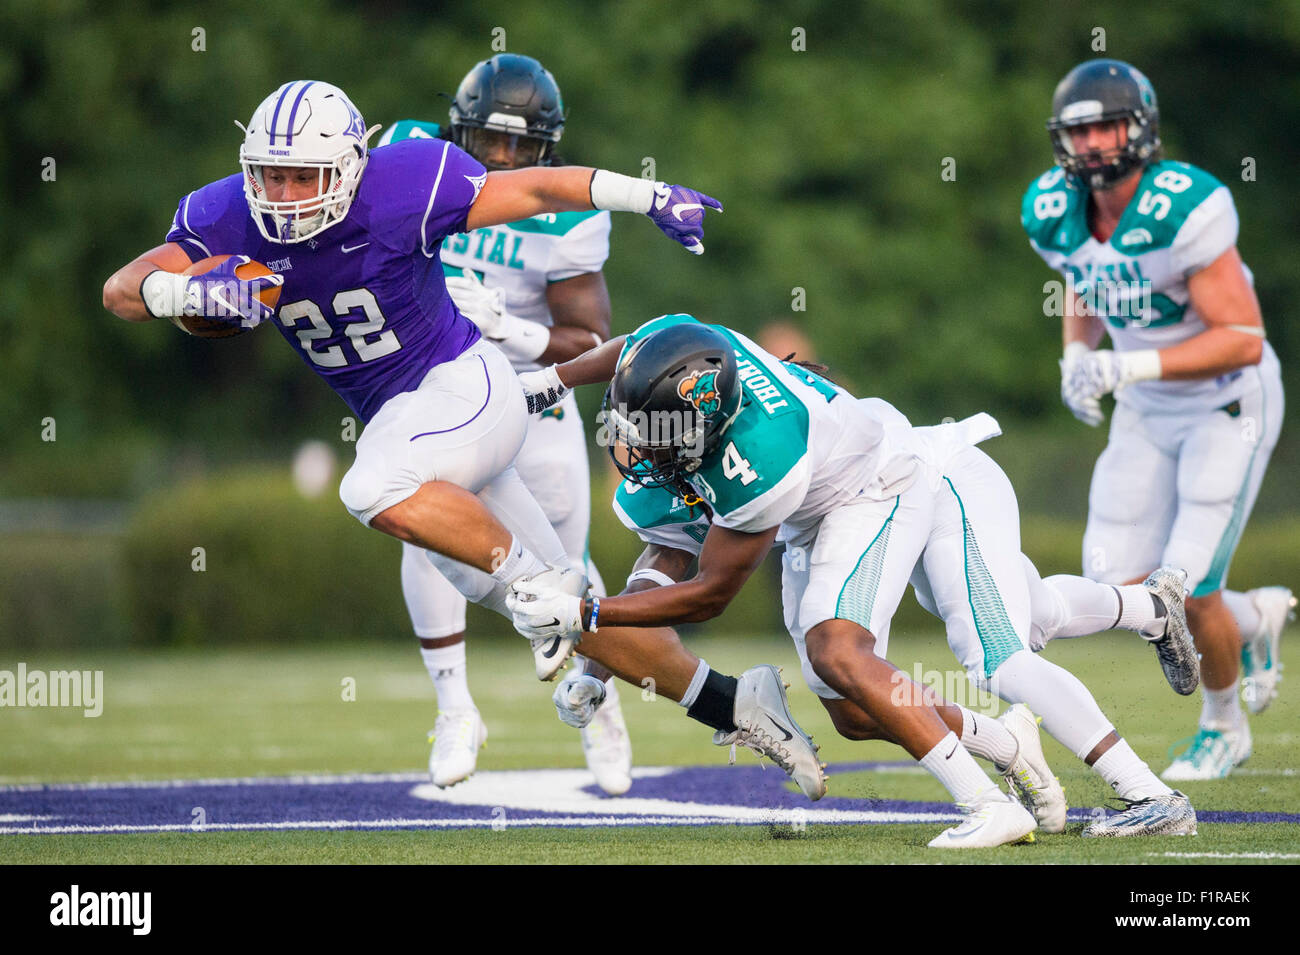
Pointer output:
x,y
858,594
992,625
1217,575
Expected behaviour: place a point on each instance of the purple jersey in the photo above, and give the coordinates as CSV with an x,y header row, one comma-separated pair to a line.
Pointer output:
x,y
364,302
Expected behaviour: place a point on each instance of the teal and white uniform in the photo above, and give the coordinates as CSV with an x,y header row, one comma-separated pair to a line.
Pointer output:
x,y
1185,458
865,504
522,259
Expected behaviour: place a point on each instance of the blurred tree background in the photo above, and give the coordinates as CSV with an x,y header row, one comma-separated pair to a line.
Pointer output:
x,y
825,128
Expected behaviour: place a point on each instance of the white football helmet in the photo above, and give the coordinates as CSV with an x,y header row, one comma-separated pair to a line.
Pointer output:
x,y
304,124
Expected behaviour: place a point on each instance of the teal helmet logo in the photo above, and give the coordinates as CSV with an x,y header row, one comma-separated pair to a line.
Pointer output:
x,y
701,390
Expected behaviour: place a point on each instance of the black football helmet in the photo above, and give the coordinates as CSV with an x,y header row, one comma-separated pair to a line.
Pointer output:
x,y
674,393
1099,91
508,96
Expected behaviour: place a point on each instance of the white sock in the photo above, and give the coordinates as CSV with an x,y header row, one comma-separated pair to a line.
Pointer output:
x,y
1243,610
985,737
697,683
955,768
1138,611
1070,714
519,562
1220,709
446,666
1131,778
1090,607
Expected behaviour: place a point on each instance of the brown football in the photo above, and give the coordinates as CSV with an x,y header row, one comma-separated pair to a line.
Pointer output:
x,y
201,327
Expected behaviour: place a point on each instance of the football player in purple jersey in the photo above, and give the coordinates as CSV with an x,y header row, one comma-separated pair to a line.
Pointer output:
x,y
353,240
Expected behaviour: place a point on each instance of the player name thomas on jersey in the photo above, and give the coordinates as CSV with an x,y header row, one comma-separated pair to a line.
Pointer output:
x,y
799,447
364,303
1180,220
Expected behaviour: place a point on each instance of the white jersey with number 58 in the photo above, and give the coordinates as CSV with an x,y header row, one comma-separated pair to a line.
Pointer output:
x,y
1180,220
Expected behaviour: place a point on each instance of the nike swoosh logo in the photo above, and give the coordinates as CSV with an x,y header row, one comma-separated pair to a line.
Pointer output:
x,y
555,644
785,732
355,247
685,207
219,297
954,749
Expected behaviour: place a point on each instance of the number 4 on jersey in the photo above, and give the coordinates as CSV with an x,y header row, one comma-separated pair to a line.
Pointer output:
x,y
734,466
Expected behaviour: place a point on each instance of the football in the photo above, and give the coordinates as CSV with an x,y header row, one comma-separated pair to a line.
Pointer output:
x,y
201,327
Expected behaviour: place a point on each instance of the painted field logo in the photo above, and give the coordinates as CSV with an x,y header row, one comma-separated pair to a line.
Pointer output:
x,y
75,907
79,688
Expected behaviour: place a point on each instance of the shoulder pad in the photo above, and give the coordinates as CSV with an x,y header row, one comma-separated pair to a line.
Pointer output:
x,y
1053,212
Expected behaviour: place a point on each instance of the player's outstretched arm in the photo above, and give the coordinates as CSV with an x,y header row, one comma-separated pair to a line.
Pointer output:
x,y
122,290
511,195
726,562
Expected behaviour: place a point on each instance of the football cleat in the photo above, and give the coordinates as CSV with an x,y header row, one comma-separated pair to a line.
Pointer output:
x,y
550,653
992,820
764,724
607,746
1211,754
1029,776
457,737
1168,815
1260,666
1177,654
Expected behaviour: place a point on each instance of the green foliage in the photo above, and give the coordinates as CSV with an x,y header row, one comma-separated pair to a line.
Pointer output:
x,y
829,162
277,568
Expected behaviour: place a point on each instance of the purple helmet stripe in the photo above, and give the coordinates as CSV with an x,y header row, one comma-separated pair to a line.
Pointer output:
x,y
275,118
293,114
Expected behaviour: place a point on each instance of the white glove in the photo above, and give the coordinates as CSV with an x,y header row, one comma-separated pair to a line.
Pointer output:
x,y
542,389
1092,374
481,305
519,338
1077,391
542,611
577,698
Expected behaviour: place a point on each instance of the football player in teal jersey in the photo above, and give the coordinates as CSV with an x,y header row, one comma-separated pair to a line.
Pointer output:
x,y
727,450
535,290
1148,251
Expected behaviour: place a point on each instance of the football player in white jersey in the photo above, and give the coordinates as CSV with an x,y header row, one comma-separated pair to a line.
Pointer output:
x,y
1148,250
535,289
727,450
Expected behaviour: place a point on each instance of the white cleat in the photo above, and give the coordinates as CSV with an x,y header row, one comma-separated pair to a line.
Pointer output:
x,y
607,746
1168,815
1174,647
1029,776
764,724
1211,754
457,737
995,819
1261,668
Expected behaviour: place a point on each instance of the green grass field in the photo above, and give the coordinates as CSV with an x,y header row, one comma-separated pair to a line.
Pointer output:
x,y
223,713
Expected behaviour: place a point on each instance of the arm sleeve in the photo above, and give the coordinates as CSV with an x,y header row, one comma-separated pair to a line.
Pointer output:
x,y
584,248
1209,231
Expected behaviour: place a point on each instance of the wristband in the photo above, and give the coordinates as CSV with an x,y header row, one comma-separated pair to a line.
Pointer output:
x,y
619,193
649,573
594,614
521,339
164,293
1141,365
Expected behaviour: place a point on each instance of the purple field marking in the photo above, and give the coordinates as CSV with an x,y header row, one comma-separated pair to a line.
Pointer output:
x,y
381,801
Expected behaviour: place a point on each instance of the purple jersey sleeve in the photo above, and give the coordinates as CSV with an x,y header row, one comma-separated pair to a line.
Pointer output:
x,y
419,191
214,220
